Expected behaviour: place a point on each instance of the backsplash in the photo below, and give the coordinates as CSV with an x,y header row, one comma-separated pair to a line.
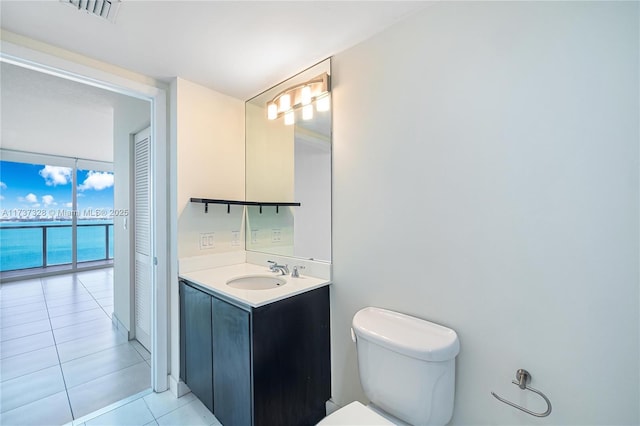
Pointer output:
x,y
217,231
270,231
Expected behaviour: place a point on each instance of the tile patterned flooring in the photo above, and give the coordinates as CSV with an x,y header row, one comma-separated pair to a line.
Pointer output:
x,y
61,360
159,409
60,357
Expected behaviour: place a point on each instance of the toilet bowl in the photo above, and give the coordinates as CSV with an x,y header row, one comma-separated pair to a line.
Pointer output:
x,y
407,371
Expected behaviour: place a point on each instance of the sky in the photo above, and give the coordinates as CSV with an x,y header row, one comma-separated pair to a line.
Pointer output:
x,y
26,187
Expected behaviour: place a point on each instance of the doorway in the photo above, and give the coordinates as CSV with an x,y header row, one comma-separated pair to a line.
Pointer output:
x,y
157,96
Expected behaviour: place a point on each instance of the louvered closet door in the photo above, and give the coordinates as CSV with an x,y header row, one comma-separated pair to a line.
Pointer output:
x,y
143,264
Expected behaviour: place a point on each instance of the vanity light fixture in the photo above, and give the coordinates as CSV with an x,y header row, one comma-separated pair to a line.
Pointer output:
x,y
306,95
272,111
302,95
285,102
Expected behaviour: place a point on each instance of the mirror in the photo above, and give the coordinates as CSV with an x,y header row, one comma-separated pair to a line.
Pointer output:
x,y
291,163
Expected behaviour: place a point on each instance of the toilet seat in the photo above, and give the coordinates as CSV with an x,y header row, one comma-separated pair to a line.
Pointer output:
x,y
355,414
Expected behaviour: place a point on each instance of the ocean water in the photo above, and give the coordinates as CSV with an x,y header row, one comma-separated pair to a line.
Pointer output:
x,y
21,248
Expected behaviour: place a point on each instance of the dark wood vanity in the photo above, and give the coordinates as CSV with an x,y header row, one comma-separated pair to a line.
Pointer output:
x,y
267,365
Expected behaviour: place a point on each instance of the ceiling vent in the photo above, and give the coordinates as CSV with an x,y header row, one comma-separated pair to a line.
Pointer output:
x,y
105,9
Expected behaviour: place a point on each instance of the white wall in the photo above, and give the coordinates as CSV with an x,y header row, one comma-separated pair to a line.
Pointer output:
x,y
210,162
486,178
209,134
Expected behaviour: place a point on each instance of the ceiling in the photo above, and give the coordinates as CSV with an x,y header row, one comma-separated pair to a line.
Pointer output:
x,y
239,48
45,114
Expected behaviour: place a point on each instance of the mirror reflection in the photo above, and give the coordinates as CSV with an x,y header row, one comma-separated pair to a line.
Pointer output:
x,y
288,159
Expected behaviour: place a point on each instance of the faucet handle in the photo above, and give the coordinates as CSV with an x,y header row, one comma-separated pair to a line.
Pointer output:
x,y
295,273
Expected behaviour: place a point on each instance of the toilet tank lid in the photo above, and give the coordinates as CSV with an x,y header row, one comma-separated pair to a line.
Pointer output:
x,y
407,335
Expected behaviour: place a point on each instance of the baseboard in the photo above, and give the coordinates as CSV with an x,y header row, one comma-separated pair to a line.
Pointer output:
x,y
332,406
178,388
120,326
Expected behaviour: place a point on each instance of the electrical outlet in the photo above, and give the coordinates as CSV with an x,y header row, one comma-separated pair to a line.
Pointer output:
x,y
254,236
235,238
207,241
276,235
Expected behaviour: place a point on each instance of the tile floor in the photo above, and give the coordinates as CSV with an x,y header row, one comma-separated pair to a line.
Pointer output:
x,y
60,357
149,408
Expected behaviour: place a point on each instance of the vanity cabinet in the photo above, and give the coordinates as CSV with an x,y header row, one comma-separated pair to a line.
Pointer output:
x,y
268,365
195,327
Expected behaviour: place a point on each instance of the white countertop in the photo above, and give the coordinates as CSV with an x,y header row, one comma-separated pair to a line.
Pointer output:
x,y
216,280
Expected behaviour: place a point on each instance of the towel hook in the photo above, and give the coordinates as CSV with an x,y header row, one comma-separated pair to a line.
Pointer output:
x,y
524,377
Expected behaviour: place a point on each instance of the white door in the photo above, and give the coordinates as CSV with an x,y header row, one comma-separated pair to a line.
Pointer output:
x,y
142,223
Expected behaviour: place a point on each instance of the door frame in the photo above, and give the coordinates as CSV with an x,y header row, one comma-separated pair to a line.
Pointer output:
x,y
112,78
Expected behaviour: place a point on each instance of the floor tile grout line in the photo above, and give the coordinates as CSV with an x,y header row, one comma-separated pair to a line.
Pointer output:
x,y
170,411
75,312
3,313
105,331
93,353
90,335
93,297
85,337
28,322
102,376
26,335
66,390
149,408
111,407
74,325
21,304
140,353
26,374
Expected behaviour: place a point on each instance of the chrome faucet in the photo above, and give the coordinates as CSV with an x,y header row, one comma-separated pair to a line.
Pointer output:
x,y
274,267
295,273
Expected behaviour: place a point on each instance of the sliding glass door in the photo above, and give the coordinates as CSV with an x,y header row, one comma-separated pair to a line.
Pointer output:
x,y
55,215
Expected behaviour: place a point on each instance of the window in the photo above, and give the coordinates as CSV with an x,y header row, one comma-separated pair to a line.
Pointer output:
x,y
37,215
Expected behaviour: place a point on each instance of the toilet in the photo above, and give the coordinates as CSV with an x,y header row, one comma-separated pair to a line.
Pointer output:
x,y
407,370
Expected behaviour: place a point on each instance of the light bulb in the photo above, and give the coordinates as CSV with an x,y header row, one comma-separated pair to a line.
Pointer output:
x,y
272,111
289,118
285,102
307,112
306,95
324,103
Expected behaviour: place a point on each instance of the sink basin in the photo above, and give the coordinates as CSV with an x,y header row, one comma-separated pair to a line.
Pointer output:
x,y
256,282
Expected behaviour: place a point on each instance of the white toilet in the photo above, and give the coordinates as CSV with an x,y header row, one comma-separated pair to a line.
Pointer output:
x,y
407,370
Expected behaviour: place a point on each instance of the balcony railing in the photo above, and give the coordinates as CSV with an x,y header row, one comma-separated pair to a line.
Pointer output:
x,y
37,246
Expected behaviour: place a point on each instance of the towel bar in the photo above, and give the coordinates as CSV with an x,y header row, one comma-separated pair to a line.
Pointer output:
x,y
524,377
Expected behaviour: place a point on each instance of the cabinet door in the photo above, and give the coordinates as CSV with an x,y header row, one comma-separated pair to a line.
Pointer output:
x,y
197,343
231,364
292,360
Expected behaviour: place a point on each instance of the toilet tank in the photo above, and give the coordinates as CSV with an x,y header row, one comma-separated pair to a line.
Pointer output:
x,y
406,365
